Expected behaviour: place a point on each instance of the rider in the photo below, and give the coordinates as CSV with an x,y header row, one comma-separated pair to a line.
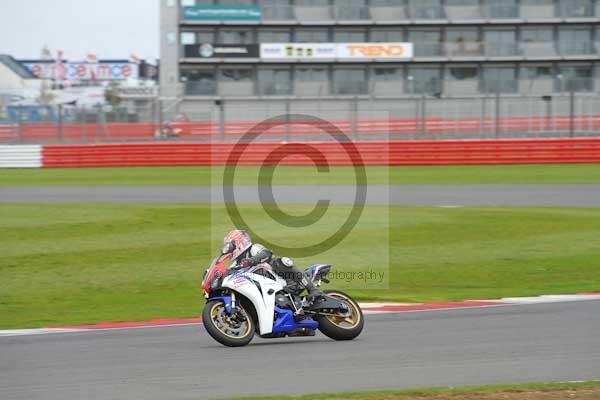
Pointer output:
x,y
248,254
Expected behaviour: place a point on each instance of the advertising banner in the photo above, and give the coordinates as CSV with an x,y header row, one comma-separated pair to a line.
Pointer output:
x,y
376,51
298,50
208,50
357,51
84,71
210,12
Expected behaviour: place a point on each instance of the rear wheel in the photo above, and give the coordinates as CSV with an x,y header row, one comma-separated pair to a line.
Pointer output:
x,y
232,330
343,327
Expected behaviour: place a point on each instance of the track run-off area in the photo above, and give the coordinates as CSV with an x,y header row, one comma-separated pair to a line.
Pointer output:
x,y
567,195
532,341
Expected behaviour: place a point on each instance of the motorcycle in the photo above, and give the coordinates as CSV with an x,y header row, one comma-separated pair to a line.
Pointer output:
x,y
242,302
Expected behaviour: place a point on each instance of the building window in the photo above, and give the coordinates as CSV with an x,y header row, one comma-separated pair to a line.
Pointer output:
x,y
188,38
387,35
236,36
197,37
311,74
463,73
537,35
573,41
576,8
350,9
192,3
427,43
349,36
388,74
537,9
463,9
501,9
228,74
463,42
500,42
277,10
312,3
426,9
499,79
234,2
274,36
388,3
199,82
349,81
578,78
426,80
533,72
312,35
274,81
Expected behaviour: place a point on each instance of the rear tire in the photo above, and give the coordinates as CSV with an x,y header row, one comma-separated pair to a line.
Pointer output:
x,y
338,328
225,331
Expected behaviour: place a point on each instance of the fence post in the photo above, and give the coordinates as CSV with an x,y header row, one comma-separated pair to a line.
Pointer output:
x,y
572,113
288,111
482,117
497,128
60,123
221,105
160,116
423,113
354,116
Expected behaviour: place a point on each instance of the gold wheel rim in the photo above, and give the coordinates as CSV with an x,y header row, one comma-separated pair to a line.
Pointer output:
x,y
226,325
350,321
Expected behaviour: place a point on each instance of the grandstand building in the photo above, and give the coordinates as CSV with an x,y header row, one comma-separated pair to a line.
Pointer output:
x,y
273,49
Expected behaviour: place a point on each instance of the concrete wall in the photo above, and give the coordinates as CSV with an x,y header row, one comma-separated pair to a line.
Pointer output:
x,y
169,48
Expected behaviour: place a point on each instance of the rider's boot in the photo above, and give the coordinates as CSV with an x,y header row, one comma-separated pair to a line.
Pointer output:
x,y
314,293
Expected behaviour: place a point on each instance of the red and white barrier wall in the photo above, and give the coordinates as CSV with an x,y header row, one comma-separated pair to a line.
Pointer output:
x,y
21,156
438,152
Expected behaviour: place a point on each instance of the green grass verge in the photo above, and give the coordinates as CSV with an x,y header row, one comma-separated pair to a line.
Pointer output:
x,y
548,391
74,264
587,173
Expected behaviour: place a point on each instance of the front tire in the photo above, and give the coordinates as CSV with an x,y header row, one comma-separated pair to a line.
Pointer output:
x,y
225,329
343,328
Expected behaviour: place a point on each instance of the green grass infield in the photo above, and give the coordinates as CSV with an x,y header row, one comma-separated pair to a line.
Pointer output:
x,y
84,263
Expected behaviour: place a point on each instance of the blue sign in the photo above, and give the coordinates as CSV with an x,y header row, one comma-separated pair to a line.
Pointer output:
x,y
211,12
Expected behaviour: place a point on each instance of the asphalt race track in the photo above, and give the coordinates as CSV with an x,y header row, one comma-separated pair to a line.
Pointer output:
x,y
508,344
422,195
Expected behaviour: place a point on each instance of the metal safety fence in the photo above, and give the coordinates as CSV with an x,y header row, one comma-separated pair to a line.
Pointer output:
x,y
421,117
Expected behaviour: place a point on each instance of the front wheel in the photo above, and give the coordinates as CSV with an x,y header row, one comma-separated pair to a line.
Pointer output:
x,y
235,330
346,327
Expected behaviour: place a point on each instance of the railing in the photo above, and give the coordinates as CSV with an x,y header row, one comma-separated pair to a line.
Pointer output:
x,y
424,49
455,86
427,12
565,9
499,11
200,88
576,8
500,86
351,13
417,117
350,87
574,85
275,89
464,49
278,13
576,48
502,49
